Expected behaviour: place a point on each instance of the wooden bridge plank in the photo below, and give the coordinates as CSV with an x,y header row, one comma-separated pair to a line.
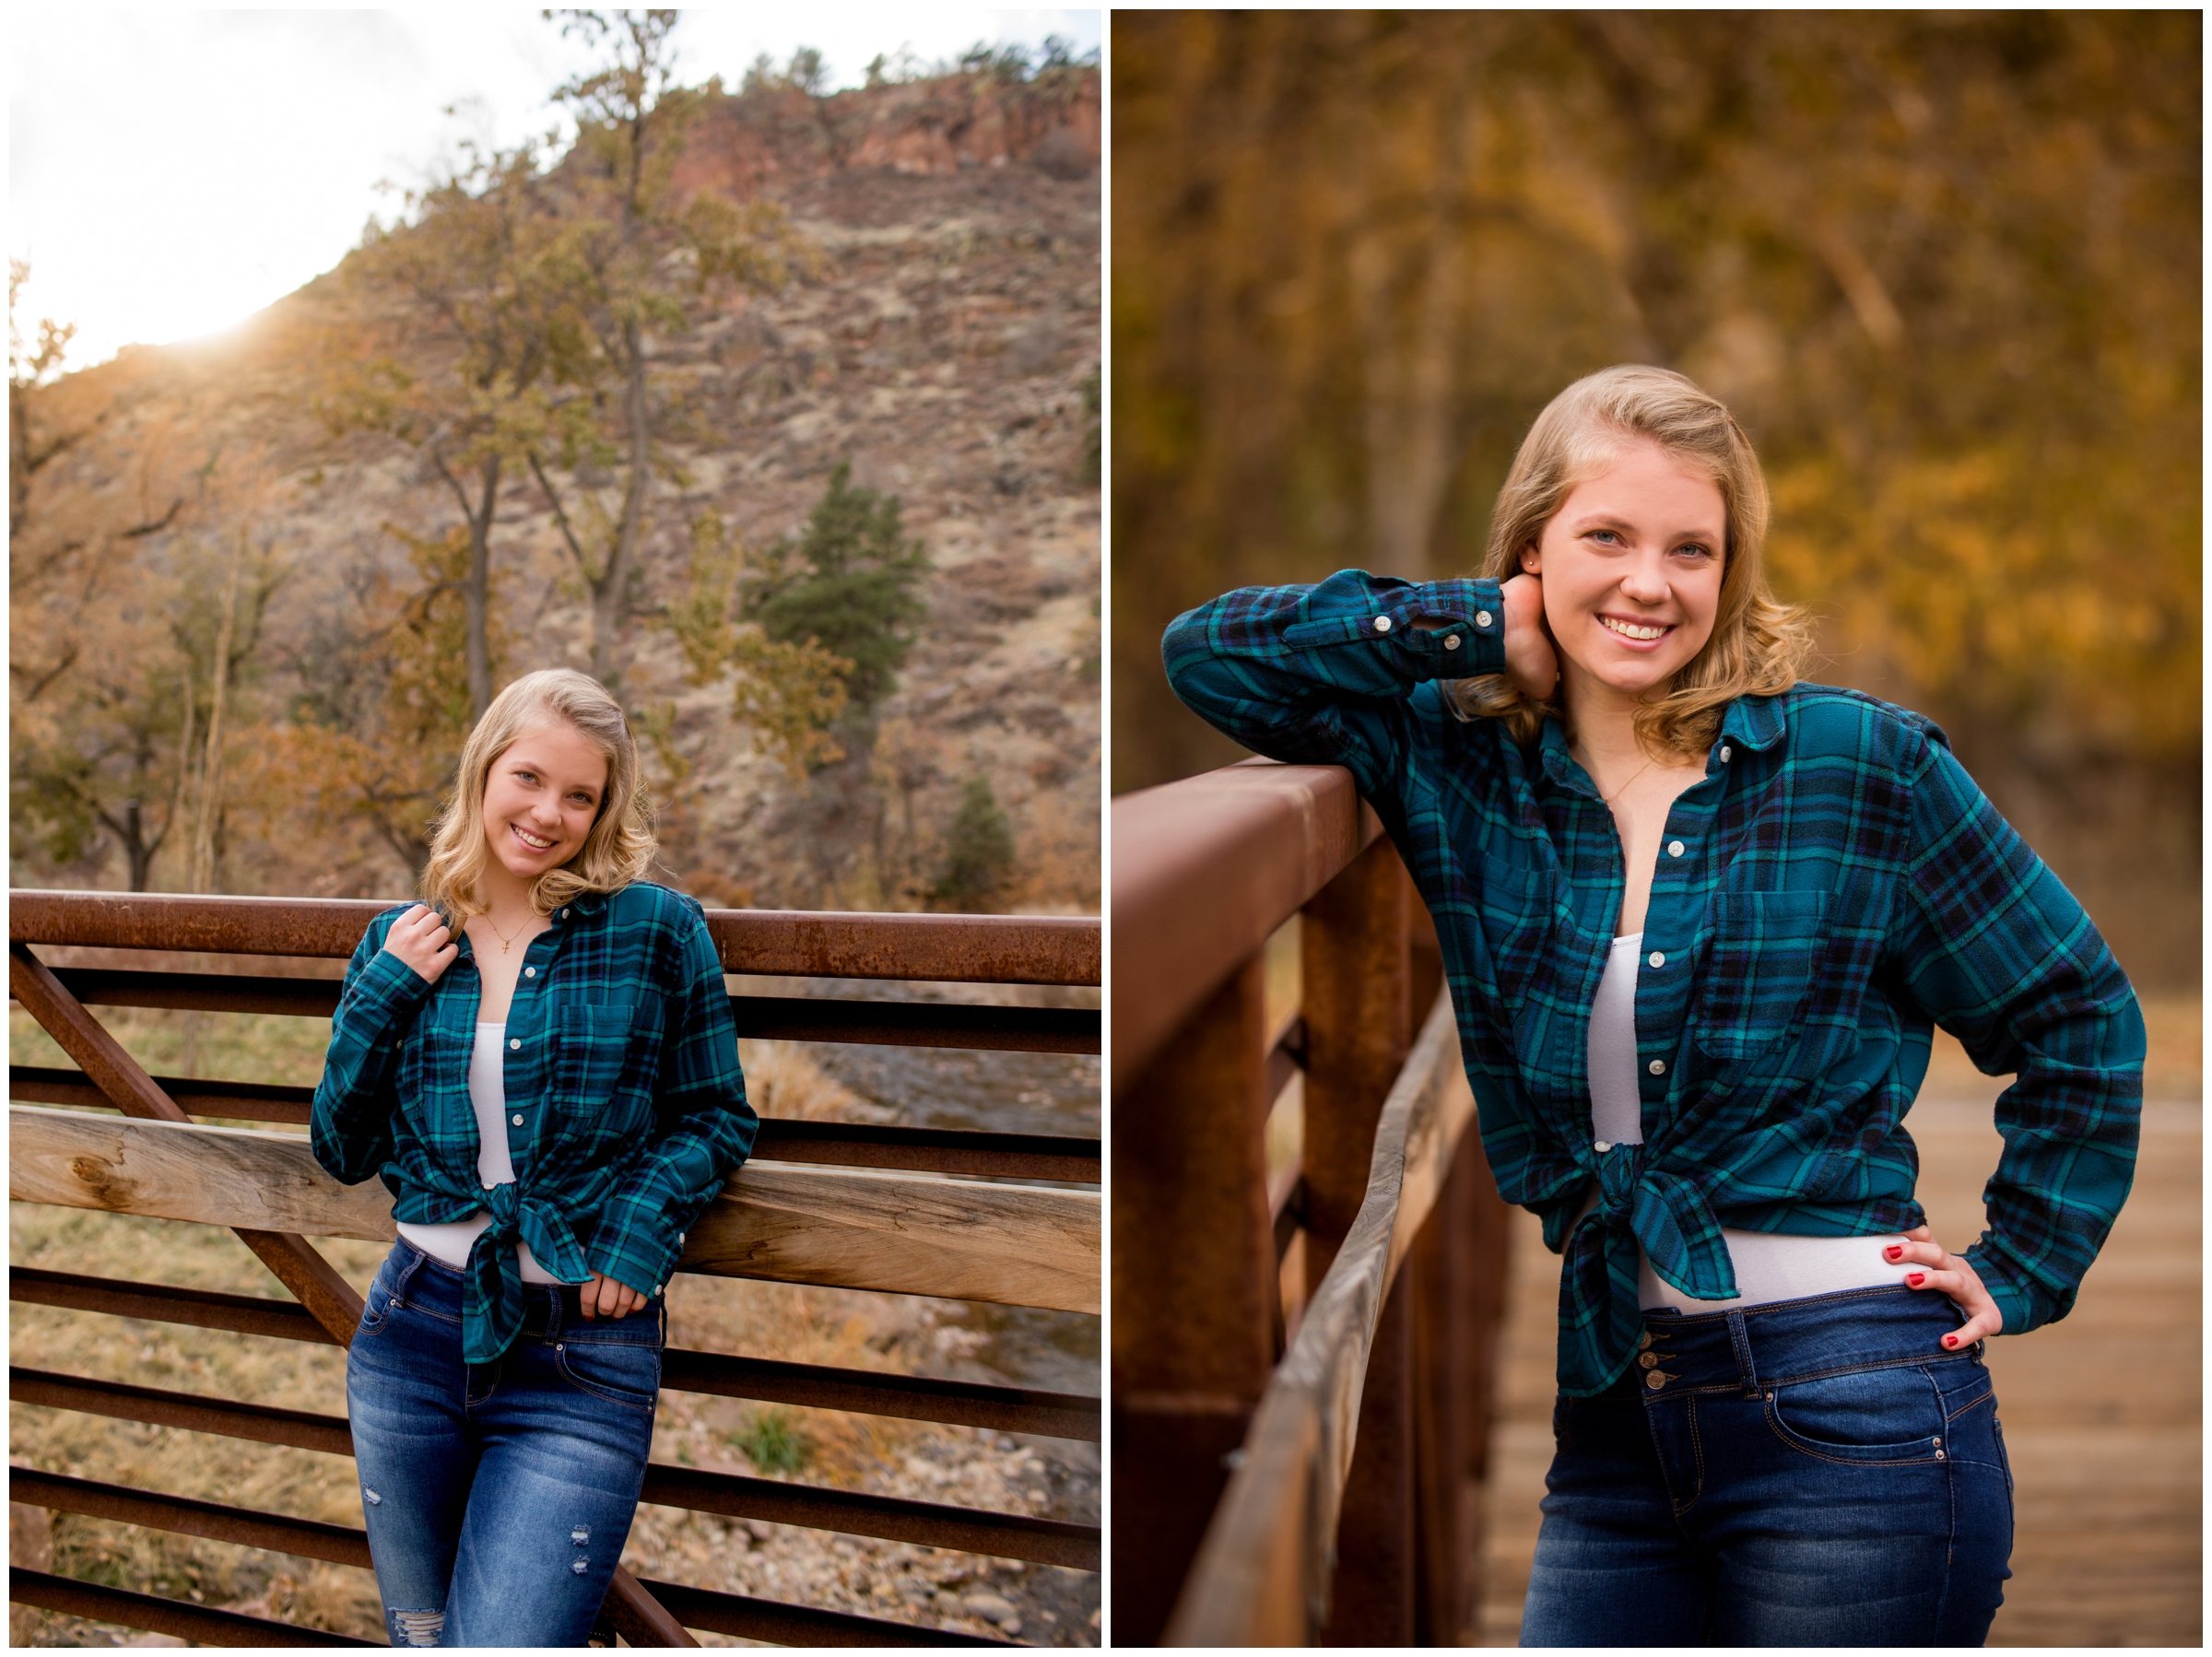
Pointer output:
x,y
846,1229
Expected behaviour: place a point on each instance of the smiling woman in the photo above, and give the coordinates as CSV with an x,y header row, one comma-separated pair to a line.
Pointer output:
x,y
1698,918
552,1115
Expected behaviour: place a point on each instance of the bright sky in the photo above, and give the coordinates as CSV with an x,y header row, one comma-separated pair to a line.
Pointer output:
x,y
170,172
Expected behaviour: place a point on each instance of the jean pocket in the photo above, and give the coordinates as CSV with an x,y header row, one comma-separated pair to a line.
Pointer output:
x,y
376,1311
1867,1416
621,1372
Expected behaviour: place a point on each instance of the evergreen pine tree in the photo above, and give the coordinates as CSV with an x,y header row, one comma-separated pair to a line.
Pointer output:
x,y
979,849
848,585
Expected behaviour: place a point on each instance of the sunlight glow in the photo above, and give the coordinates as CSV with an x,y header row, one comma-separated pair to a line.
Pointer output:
x,y
173,173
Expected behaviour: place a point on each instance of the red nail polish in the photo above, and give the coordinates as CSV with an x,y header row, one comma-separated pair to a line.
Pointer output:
x,y
1951,1340
1894,1252
1916,1278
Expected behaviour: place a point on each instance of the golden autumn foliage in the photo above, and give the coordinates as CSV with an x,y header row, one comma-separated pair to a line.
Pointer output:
x,y
1944,266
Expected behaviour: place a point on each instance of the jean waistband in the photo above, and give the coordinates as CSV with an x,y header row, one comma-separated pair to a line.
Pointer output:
x,y
1784,1341
551,1310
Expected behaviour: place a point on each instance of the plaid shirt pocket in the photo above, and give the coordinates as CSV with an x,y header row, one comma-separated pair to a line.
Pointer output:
x,y
1758,968
593,1052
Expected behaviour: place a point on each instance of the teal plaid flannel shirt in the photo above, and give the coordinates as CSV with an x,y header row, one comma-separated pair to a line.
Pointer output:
x,y
1836,883
621,1062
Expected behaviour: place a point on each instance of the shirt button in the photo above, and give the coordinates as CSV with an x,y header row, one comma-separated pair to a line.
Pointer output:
x,y
1673,848
514,1041
1726,753
529,972
1658,1066
564,914
1657,958
1451,641
1382,624
656,1289
1482,618
518,1120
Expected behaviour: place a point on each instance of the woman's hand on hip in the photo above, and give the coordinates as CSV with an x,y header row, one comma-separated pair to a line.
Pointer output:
x,y
603,1298
420,939
1935,1267
1532,661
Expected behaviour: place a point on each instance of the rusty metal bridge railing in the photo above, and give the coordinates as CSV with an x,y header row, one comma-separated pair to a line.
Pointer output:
x,y
1309,1251
845,1205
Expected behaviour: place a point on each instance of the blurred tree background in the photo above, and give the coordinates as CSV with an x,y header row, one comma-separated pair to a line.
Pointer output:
x,y
1943,267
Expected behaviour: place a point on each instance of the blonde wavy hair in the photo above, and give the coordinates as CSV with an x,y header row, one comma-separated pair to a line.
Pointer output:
x,y
617,851
1759,645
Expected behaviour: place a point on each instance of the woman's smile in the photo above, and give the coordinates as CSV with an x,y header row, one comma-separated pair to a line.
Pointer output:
x,y
536,842
1632,567
1635,632
541,798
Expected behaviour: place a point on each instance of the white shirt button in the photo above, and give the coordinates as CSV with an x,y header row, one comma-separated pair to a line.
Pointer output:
x,y
1658,1066
564,914
1451,641
1726,753
1673,848
518,1120
1382,624
1482,618
514,1041
656,1289
1657,960
1601,1145
529,972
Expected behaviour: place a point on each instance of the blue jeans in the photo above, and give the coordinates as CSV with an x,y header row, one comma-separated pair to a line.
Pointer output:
x,y
497,1495
1811,1472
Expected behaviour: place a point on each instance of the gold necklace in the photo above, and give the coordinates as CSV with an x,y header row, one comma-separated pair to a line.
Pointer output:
x,y
504,940
1606,800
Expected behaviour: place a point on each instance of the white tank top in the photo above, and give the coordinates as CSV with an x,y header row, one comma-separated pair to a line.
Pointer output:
x,y
487,1097
1769,1266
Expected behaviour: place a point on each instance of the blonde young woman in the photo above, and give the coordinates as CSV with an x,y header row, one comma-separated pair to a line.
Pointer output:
x,y
1698,917
540,1062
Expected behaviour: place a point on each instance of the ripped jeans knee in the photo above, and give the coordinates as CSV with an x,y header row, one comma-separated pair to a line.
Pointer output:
x,y
414,1627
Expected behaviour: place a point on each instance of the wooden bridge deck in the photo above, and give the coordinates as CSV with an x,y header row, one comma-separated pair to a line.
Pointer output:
x,y
2102,1411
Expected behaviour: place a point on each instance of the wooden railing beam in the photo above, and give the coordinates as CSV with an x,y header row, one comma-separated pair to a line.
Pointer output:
x,y
1204,872
850,1228
1005,950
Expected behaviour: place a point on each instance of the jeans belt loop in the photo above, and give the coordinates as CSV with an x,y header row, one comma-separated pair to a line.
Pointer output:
x,y
1739,1336
406,1273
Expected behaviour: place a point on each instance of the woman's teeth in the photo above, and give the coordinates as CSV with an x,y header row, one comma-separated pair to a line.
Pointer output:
x,y
1630,629
531,841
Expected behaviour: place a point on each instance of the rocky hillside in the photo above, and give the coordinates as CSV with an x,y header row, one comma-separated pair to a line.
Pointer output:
x,y
945,345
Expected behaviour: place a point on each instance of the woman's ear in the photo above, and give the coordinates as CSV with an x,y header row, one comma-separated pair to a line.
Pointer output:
x,y
1531,561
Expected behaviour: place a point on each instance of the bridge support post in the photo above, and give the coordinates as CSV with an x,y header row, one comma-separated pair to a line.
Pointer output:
x,y
1194,1264
1354,986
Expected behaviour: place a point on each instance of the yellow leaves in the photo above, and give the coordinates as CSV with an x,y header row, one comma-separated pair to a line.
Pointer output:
x,y
791,694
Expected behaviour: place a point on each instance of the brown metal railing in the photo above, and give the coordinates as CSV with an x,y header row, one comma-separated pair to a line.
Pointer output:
x,y
856,1216
1374,1257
